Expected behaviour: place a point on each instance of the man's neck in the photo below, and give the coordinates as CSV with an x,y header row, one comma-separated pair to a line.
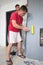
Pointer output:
x,y
19,13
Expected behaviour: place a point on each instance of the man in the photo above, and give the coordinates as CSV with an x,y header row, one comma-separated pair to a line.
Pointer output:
x,y
17,7
14,28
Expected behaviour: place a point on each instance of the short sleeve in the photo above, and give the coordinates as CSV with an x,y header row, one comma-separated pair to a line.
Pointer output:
x,y
13,16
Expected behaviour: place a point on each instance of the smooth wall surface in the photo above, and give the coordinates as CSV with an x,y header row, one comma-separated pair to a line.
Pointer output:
x,y
35,17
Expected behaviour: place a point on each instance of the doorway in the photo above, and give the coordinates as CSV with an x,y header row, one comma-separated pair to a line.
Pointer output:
x,y
8,14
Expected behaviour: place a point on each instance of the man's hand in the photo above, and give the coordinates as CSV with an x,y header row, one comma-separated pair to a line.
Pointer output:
x,y
25,29
26,5
19,26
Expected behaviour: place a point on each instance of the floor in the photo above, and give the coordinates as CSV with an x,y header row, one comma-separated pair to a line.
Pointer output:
x,y
17,60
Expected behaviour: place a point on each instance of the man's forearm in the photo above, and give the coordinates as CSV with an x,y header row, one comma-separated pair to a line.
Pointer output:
x,y
16,25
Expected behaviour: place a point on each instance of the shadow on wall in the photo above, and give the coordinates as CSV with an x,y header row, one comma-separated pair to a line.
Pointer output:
x,y
29,16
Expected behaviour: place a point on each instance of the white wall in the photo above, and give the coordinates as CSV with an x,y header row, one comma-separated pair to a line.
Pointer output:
x,y
4,9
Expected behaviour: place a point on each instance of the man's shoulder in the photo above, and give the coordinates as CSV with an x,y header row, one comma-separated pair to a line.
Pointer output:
x,y
14,13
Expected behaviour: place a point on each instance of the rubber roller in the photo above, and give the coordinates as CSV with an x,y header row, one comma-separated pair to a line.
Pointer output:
x,y
32,29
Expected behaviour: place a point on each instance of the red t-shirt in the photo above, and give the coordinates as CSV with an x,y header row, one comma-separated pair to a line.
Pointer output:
x,y
19,20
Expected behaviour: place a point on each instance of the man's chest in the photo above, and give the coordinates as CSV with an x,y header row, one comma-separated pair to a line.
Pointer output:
x,y
19,20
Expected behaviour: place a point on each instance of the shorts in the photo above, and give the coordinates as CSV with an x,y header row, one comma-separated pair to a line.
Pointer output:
x,y
14,37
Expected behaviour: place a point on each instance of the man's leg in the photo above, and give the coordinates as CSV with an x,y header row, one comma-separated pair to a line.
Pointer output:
x,y
13,52
20,53
8,51
19,47
9,61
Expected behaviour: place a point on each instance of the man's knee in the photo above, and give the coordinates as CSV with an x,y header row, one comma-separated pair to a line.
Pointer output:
x,y
10,45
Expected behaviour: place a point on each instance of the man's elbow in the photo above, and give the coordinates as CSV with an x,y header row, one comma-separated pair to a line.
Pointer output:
x,y
14,23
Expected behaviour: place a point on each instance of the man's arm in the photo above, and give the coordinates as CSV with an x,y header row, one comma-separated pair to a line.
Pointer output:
x,y
26,5
16,25
19,26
